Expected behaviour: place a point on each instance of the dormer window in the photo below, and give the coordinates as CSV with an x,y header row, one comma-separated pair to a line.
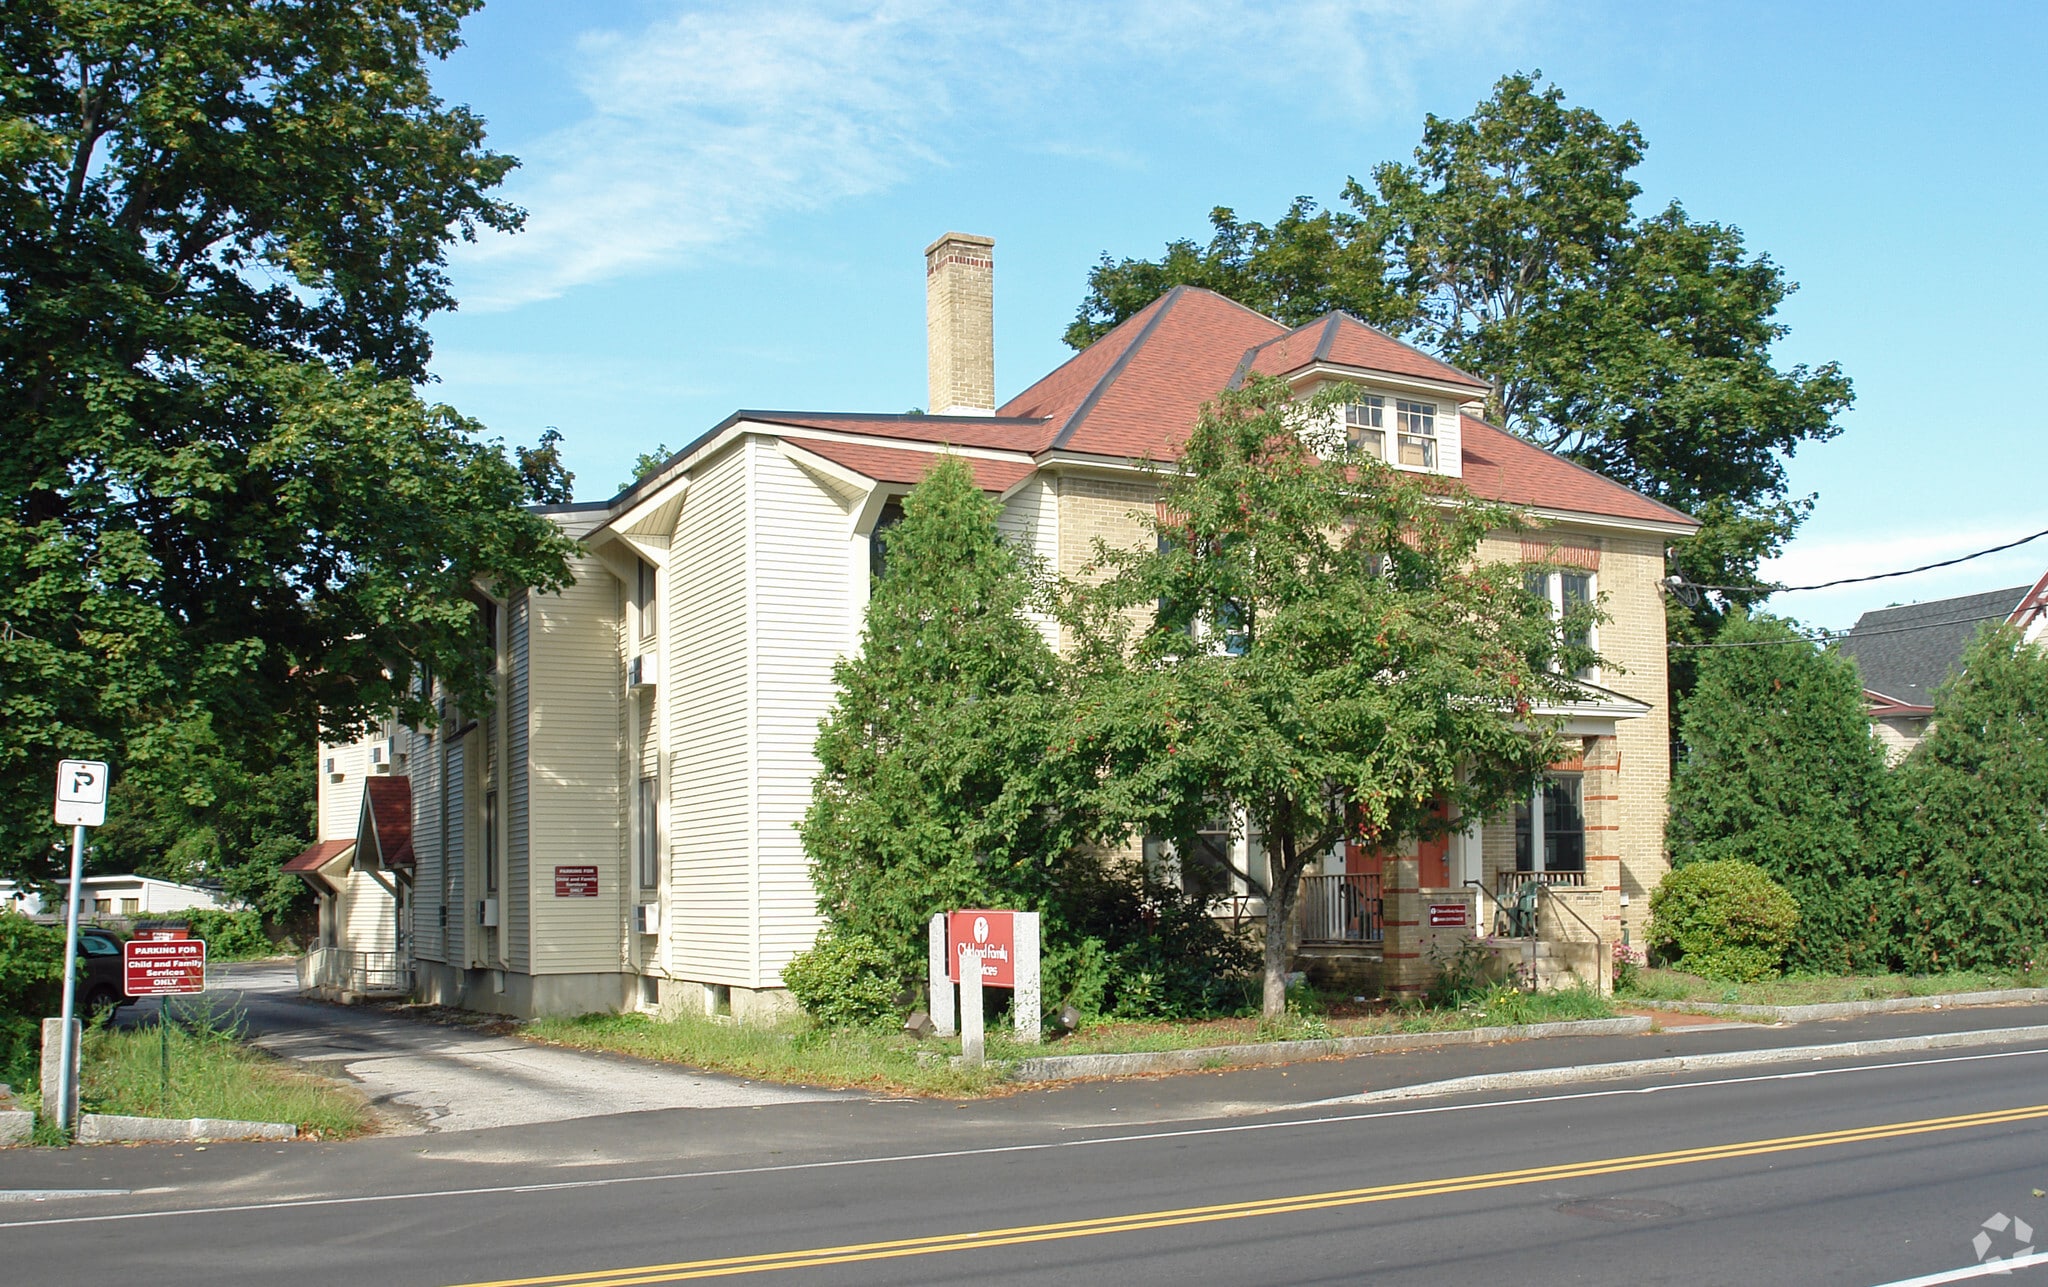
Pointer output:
x,y
1365,426
1415,423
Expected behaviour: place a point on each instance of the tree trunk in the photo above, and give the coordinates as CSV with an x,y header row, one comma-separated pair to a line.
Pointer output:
x,y
1284,881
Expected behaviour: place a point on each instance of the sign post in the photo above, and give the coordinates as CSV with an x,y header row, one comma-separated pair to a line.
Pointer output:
x,y
81,803
985,949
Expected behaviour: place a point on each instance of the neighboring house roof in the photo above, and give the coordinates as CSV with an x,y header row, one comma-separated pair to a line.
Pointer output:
x,y
1135,393
316,856
1904,653
386,840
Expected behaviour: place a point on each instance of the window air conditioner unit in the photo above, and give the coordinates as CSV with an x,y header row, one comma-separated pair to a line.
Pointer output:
x,y
647,918
487,912
641,672
383,754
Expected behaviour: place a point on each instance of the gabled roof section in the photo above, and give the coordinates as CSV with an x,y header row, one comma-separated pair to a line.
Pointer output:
x,y
909,465
315,856
1136,391
1904,653
1499,466
384,836
1341,340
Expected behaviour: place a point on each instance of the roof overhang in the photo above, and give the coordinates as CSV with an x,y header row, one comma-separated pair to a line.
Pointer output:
x,y
1593,712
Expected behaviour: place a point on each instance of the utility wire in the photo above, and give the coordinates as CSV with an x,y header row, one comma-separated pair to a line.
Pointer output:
x,y
1832,636
1875,576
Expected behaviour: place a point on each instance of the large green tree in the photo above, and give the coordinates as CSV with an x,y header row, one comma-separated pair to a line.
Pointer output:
x,y
1780,770
932,791
1637,345
1312,641
222,227
1975,814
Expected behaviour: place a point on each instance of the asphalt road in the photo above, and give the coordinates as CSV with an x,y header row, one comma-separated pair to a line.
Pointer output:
x,y
1833,1173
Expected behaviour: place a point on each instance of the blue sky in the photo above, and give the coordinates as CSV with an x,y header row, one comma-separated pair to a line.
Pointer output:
x,y
728,205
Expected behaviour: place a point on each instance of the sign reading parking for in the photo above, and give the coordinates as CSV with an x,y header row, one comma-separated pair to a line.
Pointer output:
x,y
81,793
165,967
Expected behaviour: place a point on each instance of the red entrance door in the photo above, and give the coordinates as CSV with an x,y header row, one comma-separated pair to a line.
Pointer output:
x,y
1434,857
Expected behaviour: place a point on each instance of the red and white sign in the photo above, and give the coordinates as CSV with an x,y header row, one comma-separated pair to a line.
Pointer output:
x,y
1449,915
575,882
993,936
163,967
164,934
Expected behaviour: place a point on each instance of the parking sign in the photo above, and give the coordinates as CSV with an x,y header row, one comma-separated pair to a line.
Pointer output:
x,y
81,793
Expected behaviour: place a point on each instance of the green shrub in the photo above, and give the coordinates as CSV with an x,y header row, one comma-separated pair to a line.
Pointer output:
x,y
1725,919
31,966
230,936
847,980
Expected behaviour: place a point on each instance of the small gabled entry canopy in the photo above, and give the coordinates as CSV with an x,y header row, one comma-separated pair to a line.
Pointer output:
x,y
384,834
323,864
1594,711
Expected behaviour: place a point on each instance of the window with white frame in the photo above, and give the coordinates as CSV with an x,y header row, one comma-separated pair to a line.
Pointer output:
x,y
646,603
647,840
1567,590
1415,432
1225,850
1365,425
1550,825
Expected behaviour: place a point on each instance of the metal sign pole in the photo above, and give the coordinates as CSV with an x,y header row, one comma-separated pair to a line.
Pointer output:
x,y
67,1044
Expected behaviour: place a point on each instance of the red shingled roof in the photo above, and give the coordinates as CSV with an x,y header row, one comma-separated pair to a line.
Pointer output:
x,y
1000,432
1342,340
904,465
316,856
388,803
1502,467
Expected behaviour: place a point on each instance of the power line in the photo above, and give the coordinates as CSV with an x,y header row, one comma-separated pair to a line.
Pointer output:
x,y
1834,636
1875,576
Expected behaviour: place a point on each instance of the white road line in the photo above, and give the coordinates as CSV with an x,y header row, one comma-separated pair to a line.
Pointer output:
x,y
997,1150
1973,1271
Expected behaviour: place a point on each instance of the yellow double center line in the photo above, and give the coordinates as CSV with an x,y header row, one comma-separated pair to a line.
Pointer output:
x,y
731,1266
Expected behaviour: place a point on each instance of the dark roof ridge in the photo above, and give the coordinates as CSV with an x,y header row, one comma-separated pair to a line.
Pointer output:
x,y
1591,473
1961,605
1116,368
1329,338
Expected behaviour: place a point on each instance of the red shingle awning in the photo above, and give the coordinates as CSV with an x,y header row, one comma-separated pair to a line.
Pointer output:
x,y
316,856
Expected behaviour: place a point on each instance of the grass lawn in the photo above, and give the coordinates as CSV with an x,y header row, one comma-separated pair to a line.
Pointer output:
x,y
878,1059
1671,985
212,1075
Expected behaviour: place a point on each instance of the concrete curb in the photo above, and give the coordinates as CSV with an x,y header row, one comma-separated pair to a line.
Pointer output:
x,y
1073,1067
1529,1077
1851,1009
107,1128
17,1128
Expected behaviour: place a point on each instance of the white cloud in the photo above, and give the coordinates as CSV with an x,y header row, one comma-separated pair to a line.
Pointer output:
x,y
706,124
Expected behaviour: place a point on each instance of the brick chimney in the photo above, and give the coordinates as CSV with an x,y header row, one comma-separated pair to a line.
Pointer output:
x,y
960,324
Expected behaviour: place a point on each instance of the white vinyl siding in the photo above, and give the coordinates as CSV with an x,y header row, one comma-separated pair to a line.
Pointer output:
x,y
799,632
707,693
454,800
368,915
429,943
518,892
1030,518
575,740
341,802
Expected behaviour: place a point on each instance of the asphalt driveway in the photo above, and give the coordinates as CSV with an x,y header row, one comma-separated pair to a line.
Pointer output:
x,y
425,1075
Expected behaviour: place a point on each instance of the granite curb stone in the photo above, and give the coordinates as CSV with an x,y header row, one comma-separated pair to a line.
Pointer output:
x,y
105,1128
1044,1068
1850,1009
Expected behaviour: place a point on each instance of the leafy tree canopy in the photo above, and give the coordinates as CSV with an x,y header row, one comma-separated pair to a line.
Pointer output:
x,y
1315,641
1638,345
1780,770
222,227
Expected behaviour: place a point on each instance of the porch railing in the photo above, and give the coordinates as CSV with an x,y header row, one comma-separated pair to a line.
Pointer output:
x,y
1508,885
363,973
1342,908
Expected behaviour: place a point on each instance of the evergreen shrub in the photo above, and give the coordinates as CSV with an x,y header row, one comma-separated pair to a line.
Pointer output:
x,y
845,980
1723,919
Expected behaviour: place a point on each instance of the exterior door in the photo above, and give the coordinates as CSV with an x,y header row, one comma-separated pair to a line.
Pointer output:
x,y
1434,856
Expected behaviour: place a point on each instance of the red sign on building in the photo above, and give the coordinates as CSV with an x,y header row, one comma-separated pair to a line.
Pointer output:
x,y
1449,915
165,967
576,882
989,933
